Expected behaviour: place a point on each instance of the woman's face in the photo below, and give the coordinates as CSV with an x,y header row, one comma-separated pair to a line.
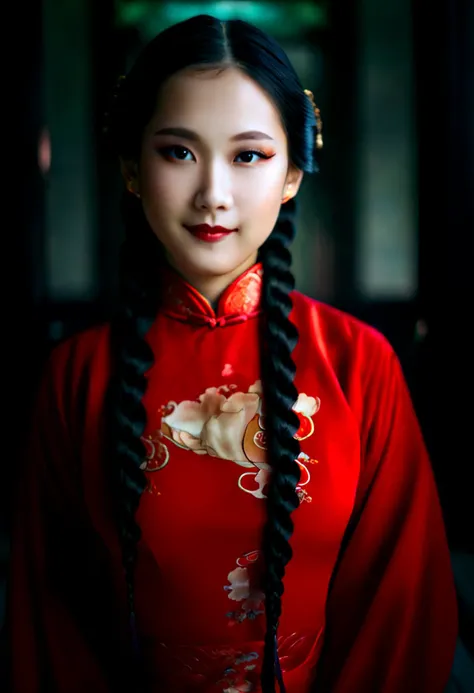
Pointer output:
x,y
214,152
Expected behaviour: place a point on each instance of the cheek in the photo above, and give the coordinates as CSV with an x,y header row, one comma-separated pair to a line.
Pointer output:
x,y
162,190
152,180
262,202
263,193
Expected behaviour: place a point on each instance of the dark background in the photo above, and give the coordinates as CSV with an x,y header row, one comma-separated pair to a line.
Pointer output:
x,y
386,227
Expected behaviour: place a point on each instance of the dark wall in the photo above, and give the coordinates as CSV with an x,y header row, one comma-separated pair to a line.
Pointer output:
x,y
444,44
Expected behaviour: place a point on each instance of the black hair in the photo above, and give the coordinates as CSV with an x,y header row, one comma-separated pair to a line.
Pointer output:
x,y
204,42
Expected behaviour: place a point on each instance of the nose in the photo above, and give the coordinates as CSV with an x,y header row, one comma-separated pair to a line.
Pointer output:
x,y
215,190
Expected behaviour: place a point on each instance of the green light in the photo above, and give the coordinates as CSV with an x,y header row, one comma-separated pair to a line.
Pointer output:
x,y
132,12
282,19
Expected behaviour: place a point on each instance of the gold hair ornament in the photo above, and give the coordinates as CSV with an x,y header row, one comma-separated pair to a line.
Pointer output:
x,y
319,122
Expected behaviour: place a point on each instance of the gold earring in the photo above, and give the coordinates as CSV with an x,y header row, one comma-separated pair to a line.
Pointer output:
x,y
287,196
131,187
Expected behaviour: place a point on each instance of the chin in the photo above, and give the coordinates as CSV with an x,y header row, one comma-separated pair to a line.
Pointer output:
x,y
215,264
213,268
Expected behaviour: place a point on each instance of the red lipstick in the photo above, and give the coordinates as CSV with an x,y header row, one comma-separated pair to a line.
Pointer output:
x,y
209,234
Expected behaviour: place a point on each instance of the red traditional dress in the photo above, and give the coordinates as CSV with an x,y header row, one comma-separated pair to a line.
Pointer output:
x,y
369,603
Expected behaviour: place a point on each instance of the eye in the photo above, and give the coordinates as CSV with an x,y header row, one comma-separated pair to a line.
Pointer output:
x,y
175,151
254,152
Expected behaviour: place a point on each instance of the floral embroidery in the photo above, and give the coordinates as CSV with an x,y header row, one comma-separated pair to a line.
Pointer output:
x,y
157,453
221,669
304,460
230,425
243,589
235,677
244,295
230,669
240,674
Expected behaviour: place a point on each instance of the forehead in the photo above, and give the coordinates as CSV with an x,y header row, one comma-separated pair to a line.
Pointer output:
x,y
227,99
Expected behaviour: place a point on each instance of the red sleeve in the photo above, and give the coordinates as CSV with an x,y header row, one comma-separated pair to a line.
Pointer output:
x,y
391,611
60,617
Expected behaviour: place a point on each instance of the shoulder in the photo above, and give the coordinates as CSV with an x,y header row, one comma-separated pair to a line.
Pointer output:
x,y
75,360
352,355
81,347
356,358
340,335
72,384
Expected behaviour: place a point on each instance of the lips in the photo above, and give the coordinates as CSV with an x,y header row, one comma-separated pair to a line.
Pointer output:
x,y
210,234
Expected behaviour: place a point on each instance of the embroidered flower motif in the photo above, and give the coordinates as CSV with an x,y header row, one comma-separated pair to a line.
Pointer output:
x,y
235,676
303,462
230,425
305,408
157,454
240,588
244,588
213,425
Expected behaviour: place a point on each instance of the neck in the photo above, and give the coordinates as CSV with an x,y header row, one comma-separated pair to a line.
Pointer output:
x,y
213,286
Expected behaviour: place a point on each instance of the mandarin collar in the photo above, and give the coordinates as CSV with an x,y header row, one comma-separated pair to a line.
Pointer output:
x,y
240,301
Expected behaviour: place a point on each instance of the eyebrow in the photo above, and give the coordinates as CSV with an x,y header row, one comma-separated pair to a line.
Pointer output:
x,y
194,137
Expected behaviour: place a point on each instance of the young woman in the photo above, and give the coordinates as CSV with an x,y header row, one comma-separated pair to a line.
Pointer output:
x,y
226,488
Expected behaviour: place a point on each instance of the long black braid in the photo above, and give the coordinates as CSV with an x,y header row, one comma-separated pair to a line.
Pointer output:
x,y
132,355
278,370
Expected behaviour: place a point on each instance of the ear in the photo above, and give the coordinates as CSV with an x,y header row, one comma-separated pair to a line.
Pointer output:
x,y
129,172
293,180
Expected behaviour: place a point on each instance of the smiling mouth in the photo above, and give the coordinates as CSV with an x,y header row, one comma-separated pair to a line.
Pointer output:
x,y
209,234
